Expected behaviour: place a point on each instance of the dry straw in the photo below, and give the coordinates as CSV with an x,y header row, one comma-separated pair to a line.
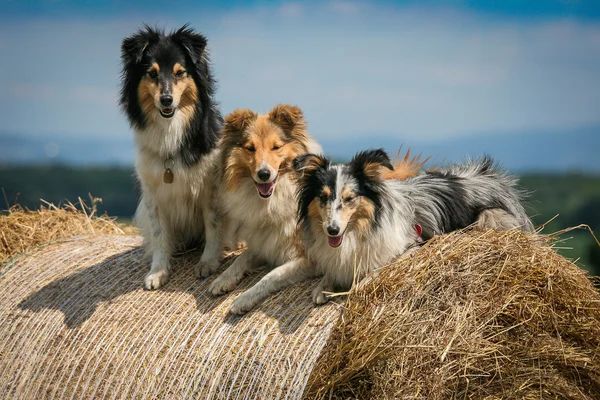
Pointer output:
x,y
479,315
476,315
22,229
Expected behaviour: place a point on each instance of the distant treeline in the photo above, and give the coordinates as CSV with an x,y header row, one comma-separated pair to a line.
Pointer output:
x,y
575,196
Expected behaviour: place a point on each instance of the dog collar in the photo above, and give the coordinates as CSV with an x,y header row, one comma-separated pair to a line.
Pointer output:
x,y
168,175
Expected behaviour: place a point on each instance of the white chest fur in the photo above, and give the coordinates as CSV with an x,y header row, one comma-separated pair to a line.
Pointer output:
x,y
267,225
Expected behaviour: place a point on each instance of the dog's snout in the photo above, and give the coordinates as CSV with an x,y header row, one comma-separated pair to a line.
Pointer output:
x,y
166,100
264,174
333,230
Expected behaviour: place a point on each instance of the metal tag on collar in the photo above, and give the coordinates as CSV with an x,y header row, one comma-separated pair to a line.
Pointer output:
x,y
168,175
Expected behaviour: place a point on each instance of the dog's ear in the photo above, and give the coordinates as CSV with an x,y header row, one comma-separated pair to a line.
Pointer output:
x,y
307,164
286,116
238,121
193,42
369,163
133,47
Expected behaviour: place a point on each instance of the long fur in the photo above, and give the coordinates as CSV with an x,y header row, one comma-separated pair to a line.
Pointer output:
x,y
439,201
274,232
156,64
267,225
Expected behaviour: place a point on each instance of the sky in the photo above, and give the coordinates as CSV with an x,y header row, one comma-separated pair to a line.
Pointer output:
x,y
417,69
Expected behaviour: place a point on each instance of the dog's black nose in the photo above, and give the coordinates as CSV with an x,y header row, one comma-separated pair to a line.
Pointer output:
x,y
166,100
264,174
333,230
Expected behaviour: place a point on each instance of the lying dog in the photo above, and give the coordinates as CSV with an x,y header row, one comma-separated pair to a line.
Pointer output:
x,y
354,221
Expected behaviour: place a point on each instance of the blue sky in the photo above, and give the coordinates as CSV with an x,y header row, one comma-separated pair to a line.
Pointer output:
x,y
420,69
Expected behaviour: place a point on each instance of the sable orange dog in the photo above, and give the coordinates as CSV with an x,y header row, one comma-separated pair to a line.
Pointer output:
x,y
259,195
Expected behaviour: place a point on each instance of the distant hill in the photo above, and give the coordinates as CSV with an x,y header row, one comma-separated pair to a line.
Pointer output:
x,y
575,196
554,152
23,149
574,150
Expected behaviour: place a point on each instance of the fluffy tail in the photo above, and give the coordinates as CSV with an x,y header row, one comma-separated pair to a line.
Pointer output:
x,y
404,167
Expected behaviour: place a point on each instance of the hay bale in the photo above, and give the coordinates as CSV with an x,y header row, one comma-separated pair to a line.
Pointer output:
x,y
76,323
481,315
478,315
23,229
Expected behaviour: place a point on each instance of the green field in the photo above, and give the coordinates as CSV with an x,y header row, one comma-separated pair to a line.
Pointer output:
x,y
575,197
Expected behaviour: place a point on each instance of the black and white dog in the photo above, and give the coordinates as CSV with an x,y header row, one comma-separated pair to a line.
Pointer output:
x,y
354,221
167,94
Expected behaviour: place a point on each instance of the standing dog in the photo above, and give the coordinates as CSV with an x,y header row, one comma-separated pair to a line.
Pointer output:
x,y
167,94
354,221
259,191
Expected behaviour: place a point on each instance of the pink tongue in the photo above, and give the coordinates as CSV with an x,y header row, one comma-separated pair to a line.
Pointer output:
x,y
265,188
334,241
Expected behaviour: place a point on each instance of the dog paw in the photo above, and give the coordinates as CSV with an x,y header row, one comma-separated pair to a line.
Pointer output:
x,y
221,285
241,305
319,297
154,280
205,270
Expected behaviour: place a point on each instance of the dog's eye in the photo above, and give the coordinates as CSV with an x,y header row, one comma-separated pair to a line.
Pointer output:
x,y
323,198
276,147
349,199
153,74
251,149
180,73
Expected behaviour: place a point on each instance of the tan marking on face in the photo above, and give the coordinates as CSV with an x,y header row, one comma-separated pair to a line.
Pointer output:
x,y
236,169
363,216
154,67
347,192
184,92
272,146
314,210
315,215
147,90
178,68
326,191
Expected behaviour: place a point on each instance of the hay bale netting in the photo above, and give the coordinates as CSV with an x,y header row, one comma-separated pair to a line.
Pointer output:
x,y
474,315
75,323
478,315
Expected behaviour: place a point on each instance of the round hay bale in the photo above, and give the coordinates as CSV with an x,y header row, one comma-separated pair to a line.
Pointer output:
x,y
475,315
76,323
481,315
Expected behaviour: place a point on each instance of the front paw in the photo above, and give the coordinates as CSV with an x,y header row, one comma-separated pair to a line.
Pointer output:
x,y
223,284
204,270
154,280
242,304
318,296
